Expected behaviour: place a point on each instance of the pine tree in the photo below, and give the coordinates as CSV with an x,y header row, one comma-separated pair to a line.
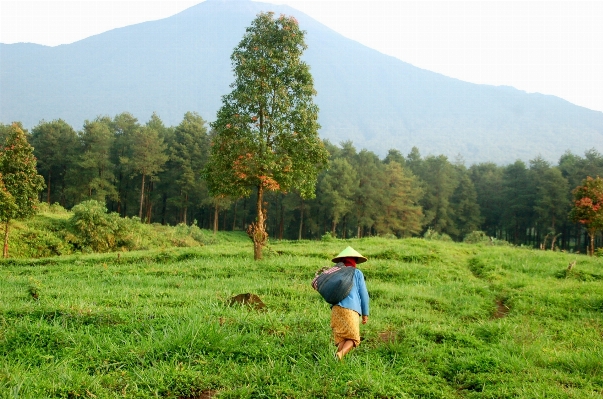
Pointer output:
x,y
400,213
368,191
336,189
147,159
518,196
188,156
96,168
487,179
551,199
123,126
466,212
439,182
19,181
55,147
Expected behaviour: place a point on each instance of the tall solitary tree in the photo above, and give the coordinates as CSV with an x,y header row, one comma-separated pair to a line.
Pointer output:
x,y
267,128
19,180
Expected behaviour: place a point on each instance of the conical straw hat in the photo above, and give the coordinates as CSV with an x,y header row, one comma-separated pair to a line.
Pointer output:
x,y
349,252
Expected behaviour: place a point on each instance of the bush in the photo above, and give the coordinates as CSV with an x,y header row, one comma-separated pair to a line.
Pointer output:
x,y
99,231
42,243
476,237
327,237
55,208
435,236
89,228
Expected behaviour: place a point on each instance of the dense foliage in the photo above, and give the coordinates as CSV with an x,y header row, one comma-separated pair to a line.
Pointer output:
x,y
588,207
19,180
357,195
447,321
90,228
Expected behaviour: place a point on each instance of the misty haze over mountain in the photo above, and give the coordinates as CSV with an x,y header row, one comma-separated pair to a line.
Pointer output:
x,y
182,63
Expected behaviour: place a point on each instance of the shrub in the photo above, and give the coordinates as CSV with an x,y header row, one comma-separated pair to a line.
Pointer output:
x,y
55,208
500,243
41,243
476,237
327,237
435,236
98,231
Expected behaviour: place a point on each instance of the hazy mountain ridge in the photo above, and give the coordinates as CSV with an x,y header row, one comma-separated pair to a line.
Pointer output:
x,y
182,63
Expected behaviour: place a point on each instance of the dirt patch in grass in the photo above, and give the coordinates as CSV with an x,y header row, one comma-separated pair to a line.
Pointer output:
x,y
502,310
209,394
250,300
388,336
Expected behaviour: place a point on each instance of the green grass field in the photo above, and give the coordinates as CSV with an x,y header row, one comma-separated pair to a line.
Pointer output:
x,y
447,321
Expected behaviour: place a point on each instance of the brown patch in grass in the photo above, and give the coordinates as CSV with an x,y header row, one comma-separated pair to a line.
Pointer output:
x,y
249,300
501,309
208,394
388,336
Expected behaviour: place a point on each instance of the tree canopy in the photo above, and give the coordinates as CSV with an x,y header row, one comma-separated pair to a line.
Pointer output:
x,y
19,180
588,207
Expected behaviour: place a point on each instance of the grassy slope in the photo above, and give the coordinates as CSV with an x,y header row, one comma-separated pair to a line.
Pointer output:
x,y
50,233
157,324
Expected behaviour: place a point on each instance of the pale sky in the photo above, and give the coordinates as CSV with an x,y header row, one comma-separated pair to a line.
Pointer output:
x,y
546,47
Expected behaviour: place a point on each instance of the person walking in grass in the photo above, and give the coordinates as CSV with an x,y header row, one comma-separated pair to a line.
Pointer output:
x,y
345,314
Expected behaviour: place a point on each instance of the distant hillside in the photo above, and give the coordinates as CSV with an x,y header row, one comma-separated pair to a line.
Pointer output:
x,y
182,63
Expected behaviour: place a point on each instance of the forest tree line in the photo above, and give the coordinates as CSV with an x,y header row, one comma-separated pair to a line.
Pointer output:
x,y
154,172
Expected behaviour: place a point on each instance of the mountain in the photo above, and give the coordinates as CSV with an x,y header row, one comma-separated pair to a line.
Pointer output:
x,y
182,63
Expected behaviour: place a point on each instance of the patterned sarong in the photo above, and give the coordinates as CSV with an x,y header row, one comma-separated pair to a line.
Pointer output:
x,y
345,325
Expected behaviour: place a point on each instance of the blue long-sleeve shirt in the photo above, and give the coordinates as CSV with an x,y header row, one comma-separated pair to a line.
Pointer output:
x,y
358,299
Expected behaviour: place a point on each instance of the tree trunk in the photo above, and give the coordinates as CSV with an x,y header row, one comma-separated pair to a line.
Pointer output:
x,y
5,253
215,218
591,250
141,197
345,227
301,221
333,228
554,241
244,218
48,191
234,216
185,212
149,212
257,230
543,245
149,203
281,225
119,196
163,209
